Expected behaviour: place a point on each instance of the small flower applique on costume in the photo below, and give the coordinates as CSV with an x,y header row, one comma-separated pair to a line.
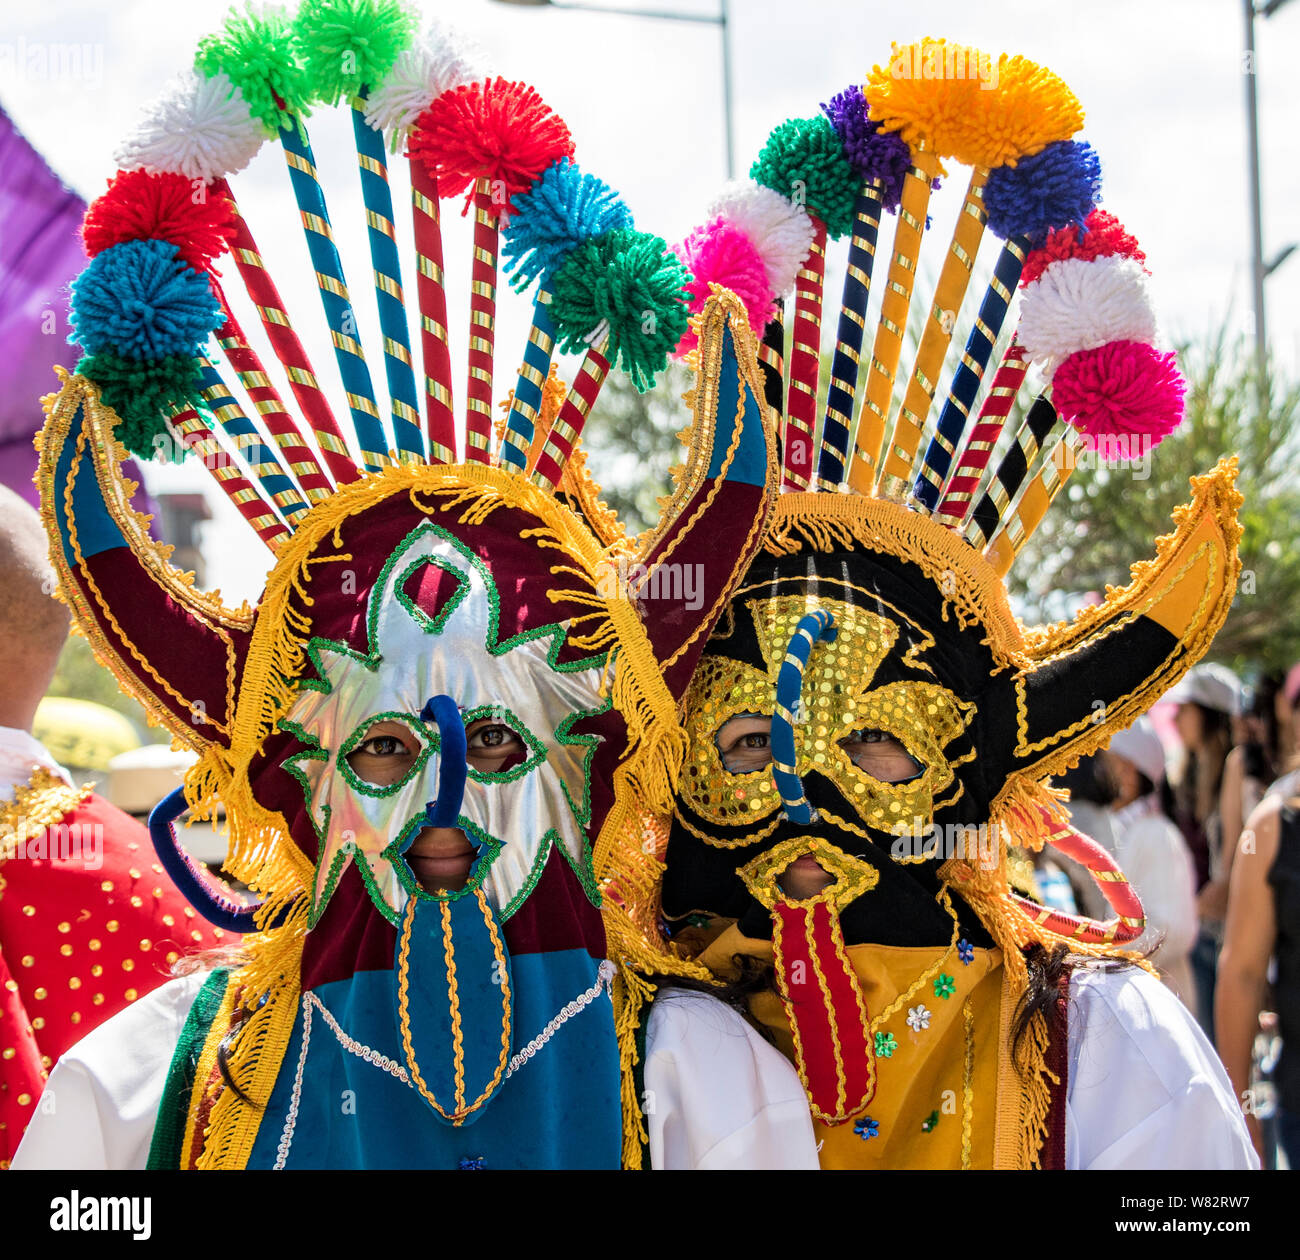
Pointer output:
x,y
918,1018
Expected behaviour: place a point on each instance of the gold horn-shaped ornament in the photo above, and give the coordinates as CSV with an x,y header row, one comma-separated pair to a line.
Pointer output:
x,y
1095,675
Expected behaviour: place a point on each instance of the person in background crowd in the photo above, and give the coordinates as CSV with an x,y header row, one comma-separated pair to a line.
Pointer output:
x,y
1151,851
88,921
1092,792
1208,698
1288,722
1251,766
1264,923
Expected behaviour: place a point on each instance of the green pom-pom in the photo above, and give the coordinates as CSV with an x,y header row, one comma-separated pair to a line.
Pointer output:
x,y
346,45
142,392
632,280
255,51
804,161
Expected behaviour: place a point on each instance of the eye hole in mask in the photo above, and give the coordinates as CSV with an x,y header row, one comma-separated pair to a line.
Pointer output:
x,y
389,751
744,745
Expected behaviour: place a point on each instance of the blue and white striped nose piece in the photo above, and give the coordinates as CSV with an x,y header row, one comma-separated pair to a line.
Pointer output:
x,y
818,625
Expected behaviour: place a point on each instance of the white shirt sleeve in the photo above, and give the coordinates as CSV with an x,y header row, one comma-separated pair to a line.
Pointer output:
x,y
1156,861
716,1094
101,1102
1146,1089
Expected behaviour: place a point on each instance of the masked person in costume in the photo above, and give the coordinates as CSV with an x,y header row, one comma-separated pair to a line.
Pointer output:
x,y
89,921
870,726
439,731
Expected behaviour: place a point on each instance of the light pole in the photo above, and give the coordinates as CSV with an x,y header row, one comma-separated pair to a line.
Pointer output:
x,y
1261,268
721,20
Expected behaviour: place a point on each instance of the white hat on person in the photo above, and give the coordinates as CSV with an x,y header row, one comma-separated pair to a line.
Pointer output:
x,y
1212,686
1141,745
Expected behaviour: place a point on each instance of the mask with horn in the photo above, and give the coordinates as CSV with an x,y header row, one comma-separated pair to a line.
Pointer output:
x,y
871,728
437,733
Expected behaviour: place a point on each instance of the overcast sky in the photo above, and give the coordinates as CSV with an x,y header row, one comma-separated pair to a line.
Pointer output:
x,y
1161,82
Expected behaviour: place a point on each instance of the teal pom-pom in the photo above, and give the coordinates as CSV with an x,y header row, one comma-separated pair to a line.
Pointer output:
x,y
804,161
255,51
346,45
142,393
632,280
559,212
141,300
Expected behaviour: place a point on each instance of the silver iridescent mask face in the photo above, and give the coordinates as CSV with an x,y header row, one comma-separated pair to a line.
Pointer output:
x,y
513,816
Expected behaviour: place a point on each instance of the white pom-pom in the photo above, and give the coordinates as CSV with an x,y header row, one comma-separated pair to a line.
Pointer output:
x,y
441,59
1082,303
200,127
781,231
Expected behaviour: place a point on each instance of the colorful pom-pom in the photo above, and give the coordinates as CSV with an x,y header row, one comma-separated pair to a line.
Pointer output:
x,y
804,161
255,50
142,301
779,229
1078,304
962,104
439,60
876,154
1054,188
497,130
200,127
140,206
1101,236
1123,389
720,253
345,45
631,283
142,392
560,211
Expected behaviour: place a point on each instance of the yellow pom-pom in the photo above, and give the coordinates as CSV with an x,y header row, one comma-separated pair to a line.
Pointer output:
x,y
961,103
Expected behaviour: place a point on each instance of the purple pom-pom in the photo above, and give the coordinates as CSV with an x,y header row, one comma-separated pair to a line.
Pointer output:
x,y
1055,188
873,154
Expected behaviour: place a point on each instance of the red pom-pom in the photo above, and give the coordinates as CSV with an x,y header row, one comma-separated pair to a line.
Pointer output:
x,y
497,130
1102,235
141,206
1124,389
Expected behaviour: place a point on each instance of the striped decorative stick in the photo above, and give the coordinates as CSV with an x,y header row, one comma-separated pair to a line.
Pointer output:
x,y
569,423
869,430
439,417
282,427
244,435
288,349
482,327
404,403
333,291
841,397
771,360
200,439
1011,535
533,371
805,364
959,496
895,481
995,503
970,372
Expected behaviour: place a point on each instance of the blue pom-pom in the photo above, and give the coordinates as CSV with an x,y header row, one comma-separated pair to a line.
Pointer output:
x,y
141,301
874,154
1055,188
557,214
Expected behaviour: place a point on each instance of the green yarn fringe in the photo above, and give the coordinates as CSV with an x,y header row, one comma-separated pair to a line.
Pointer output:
x,y
255,51
346,45
632,280
141,392
804,161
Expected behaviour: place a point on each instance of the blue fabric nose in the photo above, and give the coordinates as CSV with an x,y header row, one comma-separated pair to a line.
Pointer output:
x,y
444,809
789,686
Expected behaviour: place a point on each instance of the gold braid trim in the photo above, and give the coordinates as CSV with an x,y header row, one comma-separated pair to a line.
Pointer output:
x,y
44,800
971,587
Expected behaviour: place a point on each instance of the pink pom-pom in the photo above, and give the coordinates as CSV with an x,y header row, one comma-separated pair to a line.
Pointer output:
x,y
720,253
1124,389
